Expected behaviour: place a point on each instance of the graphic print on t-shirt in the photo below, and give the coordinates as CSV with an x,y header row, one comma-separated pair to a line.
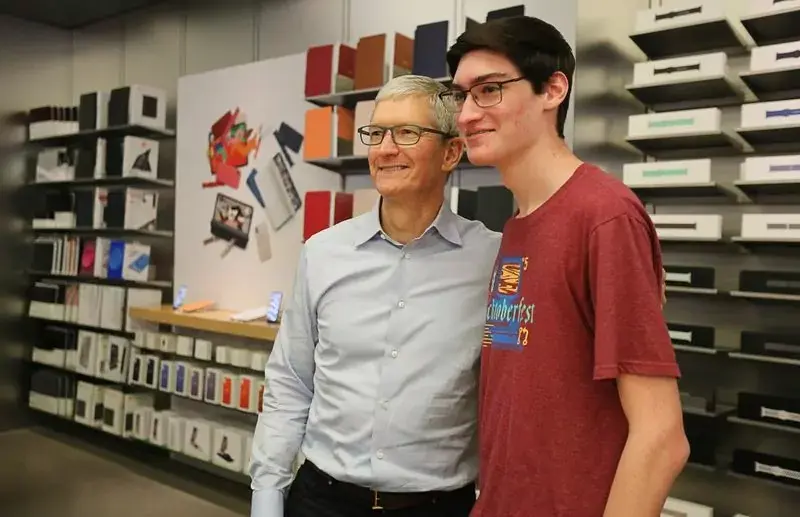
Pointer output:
x,y
507,315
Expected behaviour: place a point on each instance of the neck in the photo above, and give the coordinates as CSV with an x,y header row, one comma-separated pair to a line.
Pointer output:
x,y
538,172
407,219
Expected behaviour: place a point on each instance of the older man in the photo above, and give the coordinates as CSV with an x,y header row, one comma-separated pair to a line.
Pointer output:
x,y
373,375
580,412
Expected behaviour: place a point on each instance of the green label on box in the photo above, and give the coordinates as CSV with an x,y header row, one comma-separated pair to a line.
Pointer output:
x,y
672,123
660,173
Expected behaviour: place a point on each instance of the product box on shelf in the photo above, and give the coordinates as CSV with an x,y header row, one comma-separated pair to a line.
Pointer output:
x,y
182,378
184,346
229,448
93,111
176,432
159,428
673,507
113,404
55,164
131,156
323,209
783,411
197,441
765,7
775,57
679,13
766,466
769,282
196,382
779,344
248,393
138,105
691,335
680,69
166,377
213,385
330,68
203,349
381,57
675,123
757,115
771,226
51,121
682,172
770,168
329,132
706,227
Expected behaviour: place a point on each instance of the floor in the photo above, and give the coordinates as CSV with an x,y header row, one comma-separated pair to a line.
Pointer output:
x,y
45,475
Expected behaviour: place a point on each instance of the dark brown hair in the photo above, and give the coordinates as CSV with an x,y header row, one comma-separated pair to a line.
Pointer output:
x,y
534,46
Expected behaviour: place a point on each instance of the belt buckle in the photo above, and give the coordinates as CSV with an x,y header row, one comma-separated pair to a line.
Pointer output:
x,y
376,500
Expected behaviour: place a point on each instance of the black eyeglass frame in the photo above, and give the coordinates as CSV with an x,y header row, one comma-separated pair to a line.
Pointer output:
x,y
421,129
500,84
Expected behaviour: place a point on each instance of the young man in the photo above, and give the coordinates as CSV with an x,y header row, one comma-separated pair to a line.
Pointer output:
x,y
373,375
580,414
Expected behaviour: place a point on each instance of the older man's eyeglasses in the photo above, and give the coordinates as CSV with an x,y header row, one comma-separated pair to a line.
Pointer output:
x,y
407,134
485,95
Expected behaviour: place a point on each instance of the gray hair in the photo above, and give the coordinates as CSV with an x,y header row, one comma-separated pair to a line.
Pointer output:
x,y
402,86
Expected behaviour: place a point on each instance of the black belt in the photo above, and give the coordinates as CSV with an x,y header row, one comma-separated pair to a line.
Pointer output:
x,y
378,500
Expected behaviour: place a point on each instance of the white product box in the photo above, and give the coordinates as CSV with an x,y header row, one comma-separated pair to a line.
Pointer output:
x,y
213,385
240,357
203,349
770,168
113,402
166,377
184,346
142,422
229,395
775,57
680,69
221,354
675,123
139,157
182,378
159,427
229,448
679,13
132,402
674,506
196,382
248,394
168,343
765,7
84,403
771,226
140,339
758,115
688,227
85,357
176,432
683,172
198,439
258,361
136,374
152,340
114,358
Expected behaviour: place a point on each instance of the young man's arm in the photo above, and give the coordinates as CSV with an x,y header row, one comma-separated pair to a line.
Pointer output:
x,y
632,346
287,398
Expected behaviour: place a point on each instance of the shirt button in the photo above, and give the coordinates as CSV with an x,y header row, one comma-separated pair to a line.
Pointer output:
x,y
401,304
394,353
379,454
406,255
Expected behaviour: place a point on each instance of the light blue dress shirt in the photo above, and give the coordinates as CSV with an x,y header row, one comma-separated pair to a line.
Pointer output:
x,y
374,372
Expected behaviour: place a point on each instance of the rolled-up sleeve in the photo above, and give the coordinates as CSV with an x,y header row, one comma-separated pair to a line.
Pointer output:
x,y
287,397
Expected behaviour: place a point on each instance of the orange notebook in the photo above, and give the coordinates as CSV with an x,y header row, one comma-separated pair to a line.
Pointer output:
x,y
345,131
370,62
403,59
318,137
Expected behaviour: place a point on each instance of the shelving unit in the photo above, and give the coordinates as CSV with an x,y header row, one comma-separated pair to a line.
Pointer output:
x,y
716,430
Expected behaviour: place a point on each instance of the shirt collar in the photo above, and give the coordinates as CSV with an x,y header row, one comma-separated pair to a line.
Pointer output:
x,y
445,224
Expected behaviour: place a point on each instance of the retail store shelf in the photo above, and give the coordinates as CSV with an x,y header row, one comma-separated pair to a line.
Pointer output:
x,y
689,39
772,139
764,358
766,297
689,145
713,91
763,425
109,132
216,321
105,232
675,289
108,183
351,98
769,188
683,190
159,284
773,28
774,85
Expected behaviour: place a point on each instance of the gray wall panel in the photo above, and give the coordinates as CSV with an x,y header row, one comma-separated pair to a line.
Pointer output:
x,y
99,57
219,35
291,26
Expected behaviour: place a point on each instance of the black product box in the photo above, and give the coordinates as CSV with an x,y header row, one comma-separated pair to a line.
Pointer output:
x,y
776,282
771,344
767,466
769,408
689,276
691,335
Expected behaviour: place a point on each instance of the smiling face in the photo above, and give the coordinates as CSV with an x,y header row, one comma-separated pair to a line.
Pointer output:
x,y
499,133
417,170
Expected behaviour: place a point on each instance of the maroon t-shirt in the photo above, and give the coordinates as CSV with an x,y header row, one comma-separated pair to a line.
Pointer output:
x,y
575,301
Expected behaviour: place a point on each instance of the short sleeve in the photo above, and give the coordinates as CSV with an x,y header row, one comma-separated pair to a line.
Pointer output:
x,y
631,335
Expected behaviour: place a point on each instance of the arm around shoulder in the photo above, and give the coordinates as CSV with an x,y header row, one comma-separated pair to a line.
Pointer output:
x,y
287,398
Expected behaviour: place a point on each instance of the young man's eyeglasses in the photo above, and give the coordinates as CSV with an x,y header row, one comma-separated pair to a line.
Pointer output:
x,y
485,95
407,134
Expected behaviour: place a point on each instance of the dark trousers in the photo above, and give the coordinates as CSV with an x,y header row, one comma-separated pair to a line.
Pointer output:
x,y
315,494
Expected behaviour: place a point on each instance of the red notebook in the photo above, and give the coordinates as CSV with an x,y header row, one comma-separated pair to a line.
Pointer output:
x,y
319,70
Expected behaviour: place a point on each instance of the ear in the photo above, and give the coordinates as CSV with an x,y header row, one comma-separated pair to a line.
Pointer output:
x,y
453,151
556,90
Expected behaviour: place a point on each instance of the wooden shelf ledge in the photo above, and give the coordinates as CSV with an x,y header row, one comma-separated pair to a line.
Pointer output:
x,y
215,320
